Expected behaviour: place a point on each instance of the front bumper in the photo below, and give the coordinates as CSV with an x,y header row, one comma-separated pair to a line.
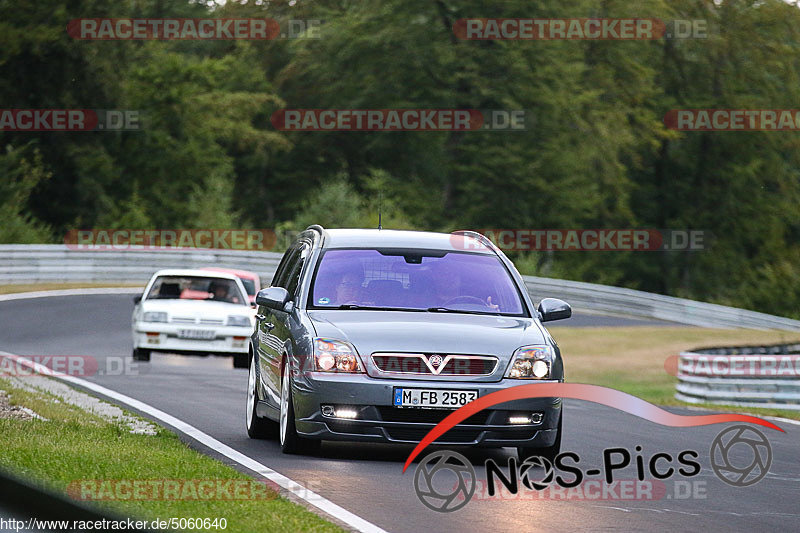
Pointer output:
x,y
162,336
379,421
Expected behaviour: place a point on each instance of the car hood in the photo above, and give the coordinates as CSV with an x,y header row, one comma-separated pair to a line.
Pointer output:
x,y
421,332
196,308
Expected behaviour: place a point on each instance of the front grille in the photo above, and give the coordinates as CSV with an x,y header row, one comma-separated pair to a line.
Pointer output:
x,y
425,364
182,320
426,416
212,321
416,435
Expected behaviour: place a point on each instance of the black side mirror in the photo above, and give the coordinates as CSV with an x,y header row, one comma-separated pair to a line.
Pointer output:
x,y
137,298
553,309
275,298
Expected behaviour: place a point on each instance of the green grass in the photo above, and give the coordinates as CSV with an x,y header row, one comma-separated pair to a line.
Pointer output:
x,y
34,287
73,445
631,359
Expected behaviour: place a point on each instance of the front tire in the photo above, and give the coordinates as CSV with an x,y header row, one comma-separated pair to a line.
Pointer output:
x,y
257,427
141,354
291,442
241,360
548,452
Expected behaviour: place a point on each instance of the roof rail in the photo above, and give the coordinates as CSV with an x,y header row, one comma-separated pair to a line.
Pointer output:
x,y
483,239
316,227
322,233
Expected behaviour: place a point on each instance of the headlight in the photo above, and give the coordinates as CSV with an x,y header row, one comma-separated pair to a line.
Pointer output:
x,y
531,362
154,316
238,320
335,356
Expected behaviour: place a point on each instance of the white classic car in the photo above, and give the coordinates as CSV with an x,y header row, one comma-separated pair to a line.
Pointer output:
x,y
193,311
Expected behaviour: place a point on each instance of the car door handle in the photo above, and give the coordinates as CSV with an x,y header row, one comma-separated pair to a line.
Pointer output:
x,y
260,317
270,326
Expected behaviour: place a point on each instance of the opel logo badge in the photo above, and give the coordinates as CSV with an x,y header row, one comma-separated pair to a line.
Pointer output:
x,y
435,360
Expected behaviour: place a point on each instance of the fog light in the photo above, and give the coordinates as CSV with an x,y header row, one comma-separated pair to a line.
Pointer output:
x,y
520,418
346,413
332,411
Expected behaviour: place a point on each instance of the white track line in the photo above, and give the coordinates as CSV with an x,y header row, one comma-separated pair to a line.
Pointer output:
x,y
709,409
327,506
71,292
783,420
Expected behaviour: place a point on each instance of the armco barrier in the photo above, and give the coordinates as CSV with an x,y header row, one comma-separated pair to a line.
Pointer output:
x,y
54,263
741,376
57,263
617,300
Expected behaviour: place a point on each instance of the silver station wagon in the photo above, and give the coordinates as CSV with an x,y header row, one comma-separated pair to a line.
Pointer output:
x,y
378,335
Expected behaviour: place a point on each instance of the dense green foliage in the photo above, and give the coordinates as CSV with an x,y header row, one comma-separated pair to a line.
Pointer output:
x,y
596,153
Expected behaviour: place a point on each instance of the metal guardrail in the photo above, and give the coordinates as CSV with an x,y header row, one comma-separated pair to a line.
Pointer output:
x,y
618,300
750,376
53,263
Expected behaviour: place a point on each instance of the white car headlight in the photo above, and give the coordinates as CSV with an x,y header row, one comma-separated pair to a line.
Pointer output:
x,y
238,320
154,316
335,356
531,362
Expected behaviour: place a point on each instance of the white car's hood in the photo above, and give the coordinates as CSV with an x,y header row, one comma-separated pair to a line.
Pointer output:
x,y
197,309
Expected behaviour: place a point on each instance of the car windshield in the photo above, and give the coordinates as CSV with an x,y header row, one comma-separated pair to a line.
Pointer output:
x,y
196,288
425,280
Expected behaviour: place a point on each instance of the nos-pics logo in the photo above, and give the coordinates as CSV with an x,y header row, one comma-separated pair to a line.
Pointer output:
x,y
445,481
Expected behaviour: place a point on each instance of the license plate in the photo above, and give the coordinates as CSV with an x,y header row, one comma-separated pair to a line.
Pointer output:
x,y
199,334
433,397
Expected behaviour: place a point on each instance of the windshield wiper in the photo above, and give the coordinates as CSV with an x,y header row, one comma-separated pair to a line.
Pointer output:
x,y
374,307
448,310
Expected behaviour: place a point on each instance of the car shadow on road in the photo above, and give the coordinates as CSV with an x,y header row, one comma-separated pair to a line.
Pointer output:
x,y
398,453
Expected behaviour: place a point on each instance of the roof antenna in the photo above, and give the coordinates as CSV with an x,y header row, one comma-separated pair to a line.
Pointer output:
x,y
380,207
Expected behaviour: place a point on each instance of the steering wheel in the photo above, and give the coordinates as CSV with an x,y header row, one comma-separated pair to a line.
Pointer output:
x,y
466,300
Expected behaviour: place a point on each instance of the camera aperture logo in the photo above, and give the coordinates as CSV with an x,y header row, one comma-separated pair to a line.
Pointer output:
x,y
452,470
732,442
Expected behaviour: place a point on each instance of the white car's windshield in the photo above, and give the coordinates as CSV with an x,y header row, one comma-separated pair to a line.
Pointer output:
x,y
196,288
415,279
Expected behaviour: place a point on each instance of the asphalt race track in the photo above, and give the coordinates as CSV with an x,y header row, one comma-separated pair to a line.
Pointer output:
x,y
367,479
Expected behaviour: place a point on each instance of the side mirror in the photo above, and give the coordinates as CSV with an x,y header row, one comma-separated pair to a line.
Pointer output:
x,y
137,298
553,309
275,298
